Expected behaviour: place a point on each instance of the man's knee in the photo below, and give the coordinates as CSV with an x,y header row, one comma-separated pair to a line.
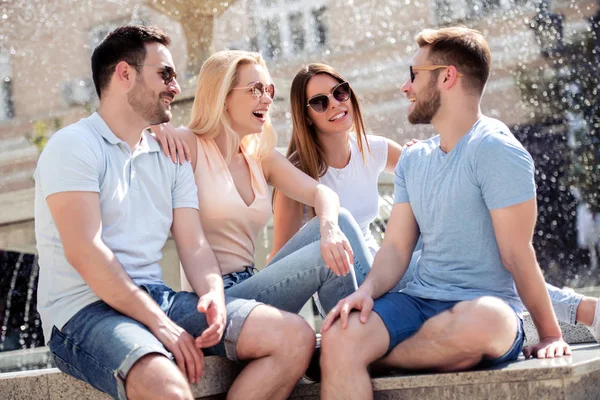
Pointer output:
x,y
352,345
155,376
488,322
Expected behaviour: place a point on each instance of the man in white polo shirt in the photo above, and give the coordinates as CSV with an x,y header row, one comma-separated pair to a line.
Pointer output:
x,y
105,201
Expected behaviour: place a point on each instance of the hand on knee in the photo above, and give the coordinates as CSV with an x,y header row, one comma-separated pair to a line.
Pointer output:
x,y
341,347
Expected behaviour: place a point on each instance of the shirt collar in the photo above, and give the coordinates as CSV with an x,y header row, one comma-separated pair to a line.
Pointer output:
x,y
147,144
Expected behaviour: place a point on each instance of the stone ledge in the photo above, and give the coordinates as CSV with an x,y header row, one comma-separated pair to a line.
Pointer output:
x,y
575,377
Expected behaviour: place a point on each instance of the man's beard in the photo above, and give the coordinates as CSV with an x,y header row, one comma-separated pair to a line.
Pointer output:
x,y
145,103
426,109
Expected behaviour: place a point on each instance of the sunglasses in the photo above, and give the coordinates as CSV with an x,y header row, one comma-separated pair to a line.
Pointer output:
x,y
166,73
426,68
258,89
320,102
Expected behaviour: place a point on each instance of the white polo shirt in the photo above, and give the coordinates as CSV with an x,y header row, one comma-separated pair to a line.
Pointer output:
x,y
138,192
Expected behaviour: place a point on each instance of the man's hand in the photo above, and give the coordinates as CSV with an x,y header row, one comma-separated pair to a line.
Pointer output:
x,y
188,357
213,305
549,347
336,250
356,301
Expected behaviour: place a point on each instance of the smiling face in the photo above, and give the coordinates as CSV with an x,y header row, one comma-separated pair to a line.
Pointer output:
x,y
423,93
247,113
150,97
339,116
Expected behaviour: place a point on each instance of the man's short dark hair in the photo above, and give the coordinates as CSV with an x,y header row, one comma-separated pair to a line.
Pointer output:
x,y
126,43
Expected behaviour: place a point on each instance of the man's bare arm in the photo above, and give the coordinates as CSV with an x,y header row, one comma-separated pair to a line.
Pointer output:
x,y
197,258
392,259
78,220
202,271
513,227
389,267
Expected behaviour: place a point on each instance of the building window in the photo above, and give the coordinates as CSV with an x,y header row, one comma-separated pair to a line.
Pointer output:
x,y
273,38
297,31
449,11
320,26
285,28
7,109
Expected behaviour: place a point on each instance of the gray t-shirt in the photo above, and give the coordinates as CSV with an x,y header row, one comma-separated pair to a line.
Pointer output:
x,y
451,195
138,192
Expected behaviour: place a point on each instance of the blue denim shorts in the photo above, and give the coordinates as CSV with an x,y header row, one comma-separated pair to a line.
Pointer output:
x,y
403,315
99,345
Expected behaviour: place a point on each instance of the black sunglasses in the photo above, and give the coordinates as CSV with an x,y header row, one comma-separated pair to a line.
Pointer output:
x,y
320,102
258,89
166,73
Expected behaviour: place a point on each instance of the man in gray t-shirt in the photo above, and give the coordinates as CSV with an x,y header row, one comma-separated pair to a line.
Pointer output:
x,y
470,194
105,201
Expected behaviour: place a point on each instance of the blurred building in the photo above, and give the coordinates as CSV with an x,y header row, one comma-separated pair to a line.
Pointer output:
x,y
45,78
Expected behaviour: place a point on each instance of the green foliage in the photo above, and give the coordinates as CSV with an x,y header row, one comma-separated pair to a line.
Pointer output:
x,y
42,131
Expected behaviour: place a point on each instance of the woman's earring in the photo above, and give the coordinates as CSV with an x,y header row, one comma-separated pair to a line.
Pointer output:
x,y
308,121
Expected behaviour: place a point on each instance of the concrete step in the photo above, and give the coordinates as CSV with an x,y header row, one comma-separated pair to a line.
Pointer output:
x,y
575,377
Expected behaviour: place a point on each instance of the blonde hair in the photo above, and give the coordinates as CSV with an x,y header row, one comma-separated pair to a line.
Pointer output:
x,y
218,75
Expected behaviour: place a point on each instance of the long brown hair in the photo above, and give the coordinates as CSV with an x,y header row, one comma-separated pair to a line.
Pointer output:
x,y
305,151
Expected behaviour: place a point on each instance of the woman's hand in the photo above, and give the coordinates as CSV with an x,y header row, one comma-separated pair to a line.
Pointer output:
x,y
335,249
411,142
171,142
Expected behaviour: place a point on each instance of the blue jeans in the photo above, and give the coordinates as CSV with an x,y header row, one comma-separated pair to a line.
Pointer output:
x,y
99,345
298,271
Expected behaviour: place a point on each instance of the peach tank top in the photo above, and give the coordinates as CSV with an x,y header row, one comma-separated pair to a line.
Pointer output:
x,y
231,227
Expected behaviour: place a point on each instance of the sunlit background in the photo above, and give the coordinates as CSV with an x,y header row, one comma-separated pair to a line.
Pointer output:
x,y
544,85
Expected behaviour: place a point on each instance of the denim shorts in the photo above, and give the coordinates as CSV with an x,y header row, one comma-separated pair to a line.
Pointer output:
x,y
99,345
403,315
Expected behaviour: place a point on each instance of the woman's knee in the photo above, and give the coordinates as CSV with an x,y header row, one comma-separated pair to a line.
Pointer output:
x,y
346,220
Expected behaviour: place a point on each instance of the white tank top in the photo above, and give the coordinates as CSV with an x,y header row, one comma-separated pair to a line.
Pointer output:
x,y
356,184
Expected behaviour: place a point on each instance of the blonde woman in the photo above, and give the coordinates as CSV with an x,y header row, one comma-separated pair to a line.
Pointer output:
x,y
231,147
